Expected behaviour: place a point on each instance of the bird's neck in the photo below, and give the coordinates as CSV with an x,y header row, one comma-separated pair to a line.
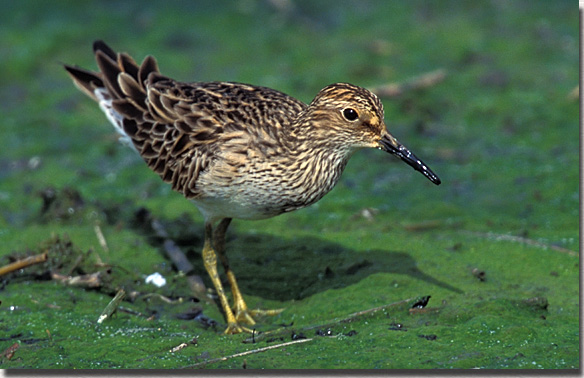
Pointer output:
x,y
314,162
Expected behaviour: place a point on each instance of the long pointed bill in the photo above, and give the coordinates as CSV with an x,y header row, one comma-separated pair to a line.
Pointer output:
x,y
389,144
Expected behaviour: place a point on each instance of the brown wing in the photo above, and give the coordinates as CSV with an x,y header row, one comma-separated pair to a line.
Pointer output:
x,y
181,128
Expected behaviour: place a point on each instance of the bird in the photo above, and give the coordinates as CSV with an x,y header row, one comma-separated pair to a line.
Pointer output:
x,y
236,150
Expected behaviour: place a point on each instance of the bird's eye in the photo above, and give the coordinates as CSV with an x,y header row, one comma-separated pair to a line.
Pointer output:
x,y
350,114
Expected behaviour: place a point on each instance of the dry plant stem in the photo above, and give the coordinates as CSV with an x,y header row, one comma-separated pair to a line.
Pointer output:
x,y
78,261
21,264
101,238
172,250
523,240
423,81
9,352
180,260
161,297
349,318
177,256
259,350
86,280
112,306
130,311
178,347
359,314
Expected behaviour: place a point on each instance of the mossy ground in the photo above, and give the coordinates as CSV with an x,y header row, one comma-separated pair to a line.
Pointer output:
x,y
491,245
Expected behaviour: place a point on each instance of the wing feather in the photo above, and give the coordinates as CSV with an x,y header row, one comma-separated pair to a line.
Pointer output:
x,y
181,129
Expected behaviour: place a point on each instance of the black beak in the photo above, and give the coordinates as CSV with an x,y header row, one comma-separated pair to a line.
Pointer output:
x,y
389,144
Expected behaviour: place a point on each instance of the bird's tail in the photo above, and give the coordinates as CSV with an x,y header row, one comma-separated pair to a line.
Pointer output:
x,y
118,87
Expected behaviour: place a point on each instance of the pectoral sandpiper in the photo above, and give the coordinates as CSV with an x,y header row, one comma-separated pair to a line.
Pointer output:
x,y
237,150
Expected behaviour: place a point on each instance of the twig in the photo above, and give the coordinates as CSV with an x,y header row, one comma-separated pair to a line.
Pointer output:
x,y
172,250
179,259
112,306
101,238
522,240
178,347
85,280
419,82
130,311
347,319
78,261
9,352
26,262
359,314
177,256
259,350
161,297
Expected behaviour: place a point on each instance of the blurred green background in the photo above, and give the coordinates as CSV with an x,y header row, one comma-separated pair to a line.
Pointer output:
x,y
495,246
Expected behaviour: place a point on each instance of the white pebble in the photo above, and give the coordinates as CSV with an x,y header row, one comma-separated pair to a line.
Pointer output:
x,y
156,279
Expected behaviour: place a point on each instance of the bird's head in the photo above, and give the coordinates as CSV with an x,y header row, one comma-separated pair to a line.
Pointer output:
x,y
350,117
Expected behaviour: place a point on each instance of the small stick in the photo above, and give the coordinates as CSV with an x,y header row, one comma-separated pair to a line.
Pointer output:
x,y
523,240
347,319
419,82
177,256
9,352
112,306
130,311
178,347
101,238
85,280
78,261
172,250
26,262
180,260
162,298
248,352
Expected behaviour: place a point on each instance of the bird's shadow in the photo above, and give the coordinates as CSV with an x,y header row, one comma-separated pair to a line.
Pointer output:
x,y
282,269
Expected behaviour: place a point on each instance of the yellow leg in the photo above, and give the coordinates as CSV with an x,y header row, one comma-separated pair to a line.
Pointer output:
x,y
210,261
242,313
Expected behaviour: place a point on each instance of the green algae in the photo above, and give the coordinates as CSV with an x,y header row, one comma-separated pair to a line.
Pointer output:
x,y
494,246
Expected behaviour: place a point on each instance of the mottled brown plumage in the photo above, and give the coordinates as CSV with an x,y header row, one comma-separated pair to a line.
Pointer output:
x,y
237,150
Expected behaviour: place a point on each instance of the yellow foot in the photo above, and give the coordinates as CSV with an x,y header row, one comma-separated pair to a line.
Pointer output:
x,y
234,328
245,316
